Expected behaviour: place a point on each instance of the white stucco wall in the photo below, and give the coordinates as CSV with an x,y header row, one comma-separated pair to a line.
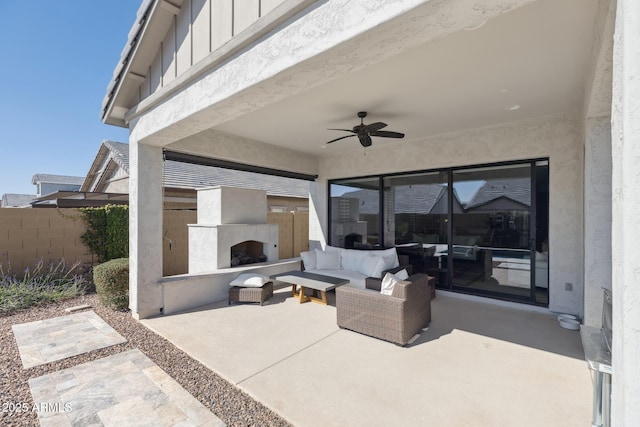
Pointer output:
x,y
228,205
193,290
558,138
625,243
597,217
145,230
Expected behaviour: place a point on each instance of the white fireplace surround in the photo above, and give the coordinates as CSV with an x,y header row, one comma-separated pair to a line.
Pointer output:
x,y
228,216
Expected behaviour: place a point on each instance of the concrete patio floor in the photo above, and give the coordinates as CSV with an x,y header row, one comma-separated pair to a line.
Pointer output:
x,y
478,364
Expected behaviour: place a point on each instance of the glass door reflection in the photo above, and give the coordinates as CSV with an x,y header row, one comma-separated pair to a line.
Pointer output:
x,y
416,216
491,234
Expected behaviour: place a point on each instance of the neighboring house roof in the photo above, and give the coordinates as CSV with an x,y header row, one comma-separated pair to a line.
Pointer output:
x,y
419,198
57,179
516,189
190,176
17,200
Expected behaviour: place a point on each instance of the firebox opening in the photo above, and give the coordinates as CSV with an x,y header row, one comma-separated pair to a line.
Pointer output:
x,y
248,252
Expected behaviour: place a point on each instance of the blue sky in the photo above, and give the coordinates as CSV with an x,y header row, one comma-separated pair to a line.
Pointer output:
x,y
57,60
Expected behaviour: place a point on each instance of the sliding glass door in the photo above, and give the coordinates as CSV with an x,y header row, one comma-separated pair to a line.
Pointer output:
x,y
416,210
491,247
355,213
480,230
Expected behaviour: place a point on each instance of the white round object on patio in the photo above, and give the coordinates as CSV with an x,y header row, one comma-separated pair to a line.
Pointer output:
x,y
567,316
570,324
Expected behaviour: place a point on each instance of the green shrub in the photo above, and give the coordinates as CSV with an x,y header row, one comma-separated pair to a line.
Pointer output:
x,y
112,283
39,285
107,234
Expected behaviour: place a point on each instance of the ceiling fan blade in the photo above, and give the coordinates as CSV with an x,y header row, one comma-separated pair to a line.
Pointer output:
x,y
374,127
365,140
338,139
387,134
346,130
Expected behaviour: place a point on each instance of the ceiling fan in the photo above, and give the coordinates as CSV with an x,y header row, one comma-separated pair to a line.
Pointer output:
x,y
365,132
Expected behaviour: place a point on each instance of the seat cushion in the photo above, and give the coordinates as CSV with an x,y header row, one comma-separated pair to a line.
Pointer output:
x,y
249,280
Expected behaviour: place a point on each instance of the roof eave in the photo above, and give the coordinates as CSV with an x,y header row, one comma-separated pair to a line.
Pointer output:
x,y
145,13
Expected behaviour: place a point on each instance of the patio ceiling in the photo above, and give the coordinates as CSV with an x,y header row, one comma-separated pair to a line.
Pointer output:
x,y
537,57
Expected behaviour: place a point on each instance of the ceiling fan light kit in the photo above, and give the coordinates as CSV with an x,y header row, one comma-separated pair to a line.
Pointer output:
x,y
365,132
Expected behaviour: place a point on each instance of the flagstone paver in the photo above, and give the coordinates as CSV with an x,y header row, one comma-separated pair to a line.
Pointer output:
x,y
124,389
57,338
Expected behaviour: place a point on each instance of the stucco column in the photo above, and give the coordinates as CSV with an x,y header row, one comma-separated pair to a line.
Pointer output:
x,y
597,217
318,222
145,229
625,245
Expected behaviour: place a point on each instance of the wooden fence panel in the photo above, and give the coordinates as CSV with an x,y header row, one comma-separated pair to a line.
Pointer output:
x,y
175,241
285,232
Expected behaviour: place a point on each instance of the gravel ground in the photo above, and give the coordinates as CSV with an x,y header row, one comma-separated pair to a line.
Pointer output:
x,y
229,403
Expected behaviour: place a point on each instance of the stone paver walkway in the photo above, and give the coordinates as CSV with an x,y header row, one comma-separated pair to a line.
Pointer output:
x,y
120,390
57,338
125,389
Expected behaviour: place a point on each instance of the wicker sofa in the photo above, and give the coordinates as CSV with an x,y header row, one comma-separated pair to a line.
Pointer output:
x,y
395,318
351,264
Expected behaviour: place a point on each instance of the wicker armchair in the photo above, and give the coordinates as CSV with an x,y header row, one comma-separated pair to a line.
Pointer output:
x,y
396,317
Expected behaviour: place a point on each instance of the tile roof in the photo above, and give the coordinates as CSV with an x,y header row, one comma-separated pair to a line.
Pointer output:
x,y
57,179
17,200
419,198
516,189
189,176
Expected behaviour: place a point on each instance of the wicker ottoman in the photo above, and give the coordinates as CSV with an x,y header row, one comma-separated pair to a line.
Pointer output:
x,y
241,294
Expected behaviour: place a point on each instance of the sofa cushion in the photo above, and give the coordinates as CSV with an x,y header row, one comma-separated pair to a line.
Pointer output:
x,y
372,266
352,259
329,248
390,257
309,259
249,280
329,260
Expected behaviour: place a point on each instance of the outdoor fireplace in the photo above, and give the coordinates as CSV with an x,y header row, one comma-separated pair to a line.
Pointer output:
x,y
231,221
247,253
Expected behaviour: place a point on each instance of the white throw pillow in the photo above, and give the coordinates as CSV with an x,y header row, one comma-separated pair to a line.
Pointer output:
x,y
388,282
250,280
327,260
329,248
372,266
351,259
309,259
389,262
402,274
390,258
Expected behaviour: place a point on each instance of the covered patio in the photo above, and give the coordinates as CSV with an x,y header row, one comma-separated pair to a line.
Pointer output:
x,y
471,83
478,363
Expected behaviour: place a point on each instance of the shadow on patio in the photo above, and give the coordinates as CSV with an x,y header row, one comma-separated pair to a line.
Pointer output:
x,y
477,364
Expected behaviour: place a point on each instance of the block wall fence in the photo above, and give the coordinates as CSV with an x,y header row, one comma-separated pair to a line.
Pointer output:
x,y
28,235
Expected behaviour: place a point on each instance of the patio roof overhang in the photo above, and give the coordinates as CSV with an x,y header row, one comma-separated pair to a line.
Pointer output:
x,y
208,161
79,199
426,69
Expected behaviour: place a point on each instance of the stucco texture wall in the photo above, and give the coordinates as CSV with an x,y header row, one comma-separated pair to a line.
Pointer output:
x,y
558,138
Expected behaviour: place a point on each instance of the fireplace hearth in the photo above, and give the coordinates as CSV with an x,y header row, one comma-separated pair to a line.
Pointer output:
x,y
247,253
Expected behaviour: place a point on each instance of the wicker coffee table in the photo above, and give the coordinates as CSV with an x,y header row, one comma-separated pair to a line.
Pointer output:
x,y
317,282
